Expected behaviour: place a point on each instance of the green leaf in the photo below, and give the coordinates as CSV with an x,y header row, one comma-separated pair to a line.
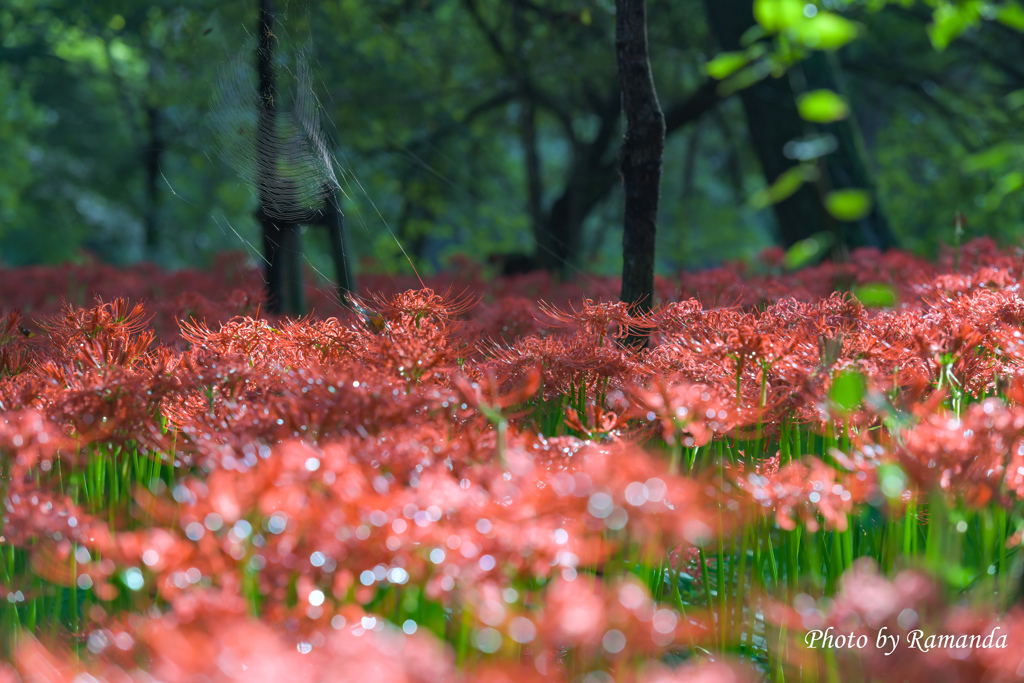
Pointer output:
x,y
995,157
1015,100
1011,15
744,78
808,250
825,31
1006,185
957,576
848,205
949,21
752,35
822,106
847,390
778,15
784,186
726,64
875,295
892,481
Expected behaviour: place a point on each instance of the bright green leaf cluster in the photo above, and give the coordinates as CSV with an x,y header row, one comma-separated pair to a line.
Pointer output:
x,y
778,15
825,31
875,295
784,186
848,205
822,106
949,20
1011,15
848,389
726,64
805,23
807,251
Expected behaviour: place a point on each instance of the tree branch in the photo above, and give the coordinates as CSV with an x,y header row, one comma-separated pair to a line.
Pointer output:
x,y
701,101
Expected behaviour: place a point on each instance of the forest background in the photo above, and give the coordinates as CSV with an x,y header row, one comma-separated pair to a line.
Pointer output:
x,y
478,127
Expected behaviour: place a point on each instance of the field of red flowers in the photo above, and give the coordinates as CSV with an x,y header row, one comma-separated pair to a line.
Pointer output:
x,y
810,475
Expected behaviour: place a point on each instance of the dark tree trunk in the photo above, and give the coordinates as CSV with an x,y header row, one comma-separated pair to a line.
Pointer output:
x,y
733,162
690,162
592,176
773,120
154,150
559,240
593,172
280,238
641,156
334,221
531,158
528,126
847,166
291,256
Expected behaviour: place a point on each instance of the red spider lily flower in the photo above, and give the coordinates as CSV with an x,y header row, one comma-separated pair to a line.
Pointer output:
x,y
978,455
575,614
803,491
614,320
682,408
494,400
14,351
933,640
320,465
600,424
702,672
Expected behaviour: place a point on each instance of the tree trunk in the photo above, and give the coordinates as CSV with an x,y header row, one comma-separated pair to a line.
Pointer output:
x,y
531,159
341,250
847,166
528,126
773,120
154,149
641,157
592,176
558,243
280,238
690,162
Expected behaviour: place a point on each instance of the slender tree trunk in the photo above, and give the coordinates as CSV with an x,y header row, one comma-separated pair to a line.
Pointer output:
x,y
291,261
154,150
265,157
280,238
558,239
528,127
642,153
531,160
341,250
592,176
593,172
733,163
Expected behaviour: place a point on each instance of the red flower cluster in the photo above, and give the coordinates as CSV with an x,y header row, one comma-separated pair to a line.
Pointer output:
x,y
900,629
487,470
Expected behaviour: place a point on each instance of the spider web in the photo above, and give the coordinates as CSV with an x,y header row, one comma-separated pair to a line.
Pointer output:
x,y
301,176
287,158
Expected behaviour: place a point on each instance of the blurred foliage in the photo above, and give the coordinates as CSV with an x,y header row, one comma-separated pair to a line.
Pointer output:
x,y
424,106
